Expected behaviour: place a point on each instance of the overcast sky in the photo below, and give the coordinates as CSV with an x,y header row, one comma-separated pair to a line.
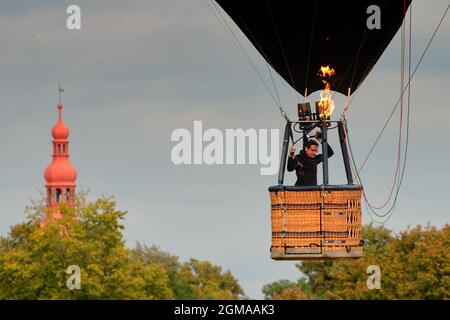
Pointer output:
x,y
137,70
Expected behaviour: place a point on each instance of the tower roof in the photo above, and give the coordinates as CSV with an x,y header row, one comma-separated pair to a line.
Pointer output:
x,y
60,130
60,172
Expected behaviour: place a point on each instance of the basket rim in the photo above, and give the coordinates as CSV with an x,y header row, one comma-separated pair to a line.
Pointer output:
x,y
281,187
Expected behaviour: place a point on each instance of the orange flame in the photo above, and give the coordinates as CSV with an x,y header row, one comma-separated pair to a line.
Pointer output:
x,y
326,72
326,102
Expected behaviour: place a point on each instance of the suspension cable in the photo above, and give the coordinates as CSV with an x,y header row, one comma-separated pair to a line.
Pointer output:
x,y
406,88
402,82
244,54
281,45
370,208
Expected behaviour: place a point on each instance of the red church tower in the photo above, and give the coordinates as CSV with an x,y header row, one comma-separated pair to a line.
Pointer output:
x,y
60,174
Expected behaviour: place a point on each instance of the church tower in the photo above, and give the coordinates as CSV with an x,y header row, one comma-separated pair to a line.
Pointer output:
x,y
60,174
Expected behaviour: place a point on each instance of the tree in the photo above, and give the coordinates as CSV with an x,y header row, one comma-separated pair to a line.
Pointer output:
x,y
291,293
414,264
34,259
209,282
193,279
276,288
286,290
154,255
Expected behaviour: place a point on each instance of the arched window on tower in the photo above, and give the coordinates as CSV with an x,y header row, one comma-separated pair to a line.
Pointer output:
x,y
64,148
59,148
67,195
58,195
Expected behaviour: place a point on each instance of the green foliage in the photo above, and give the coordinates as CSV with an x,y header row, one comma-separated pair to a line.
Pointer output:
x,y
415,264
276,288
34,260
193,279
209,282
288,290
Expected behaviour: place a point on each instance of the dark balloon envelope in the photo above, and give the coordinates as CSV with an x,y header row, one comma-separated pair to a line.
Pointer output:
x,y
297,37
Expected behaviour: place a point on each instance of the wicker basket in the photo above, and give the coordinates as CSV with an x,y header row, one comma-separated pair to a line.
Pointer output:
x,y
316,222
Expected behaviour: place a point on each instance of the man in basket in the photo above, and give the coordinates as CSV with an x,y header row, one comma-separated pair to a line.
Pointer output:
x,y
305,163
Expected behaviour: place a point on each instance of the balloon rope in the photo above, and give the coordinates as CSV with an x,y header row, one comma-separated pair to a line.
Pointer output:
x,y
364,37
261,50
406,88
310,49
281,46
390,212
244,54
273,83
246,57
398,161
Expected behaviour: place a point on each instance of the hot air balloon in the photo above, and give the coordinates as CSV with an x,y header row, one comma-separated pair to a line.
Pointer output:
x,y
342,40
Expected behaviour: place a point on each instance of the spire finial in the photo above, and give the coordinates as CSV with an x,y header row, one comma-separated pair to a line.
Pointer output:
x,y
60,91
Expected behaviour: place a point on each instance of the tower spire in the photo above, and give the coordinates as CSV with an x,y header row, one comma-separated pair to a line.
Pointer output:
x,y
60,175
60,105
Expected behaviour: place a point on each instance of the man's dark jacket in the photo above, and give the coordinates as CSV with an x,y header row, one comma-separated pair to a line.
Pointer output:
x,y
306,168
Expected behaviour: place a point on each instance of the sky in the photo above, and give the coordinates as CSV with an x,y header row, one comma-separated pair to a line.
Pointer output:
x,y
138,70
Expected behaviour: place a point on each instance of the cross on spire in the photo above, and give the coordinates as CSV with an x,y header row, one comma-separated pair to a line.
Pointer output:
x,y
60,91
